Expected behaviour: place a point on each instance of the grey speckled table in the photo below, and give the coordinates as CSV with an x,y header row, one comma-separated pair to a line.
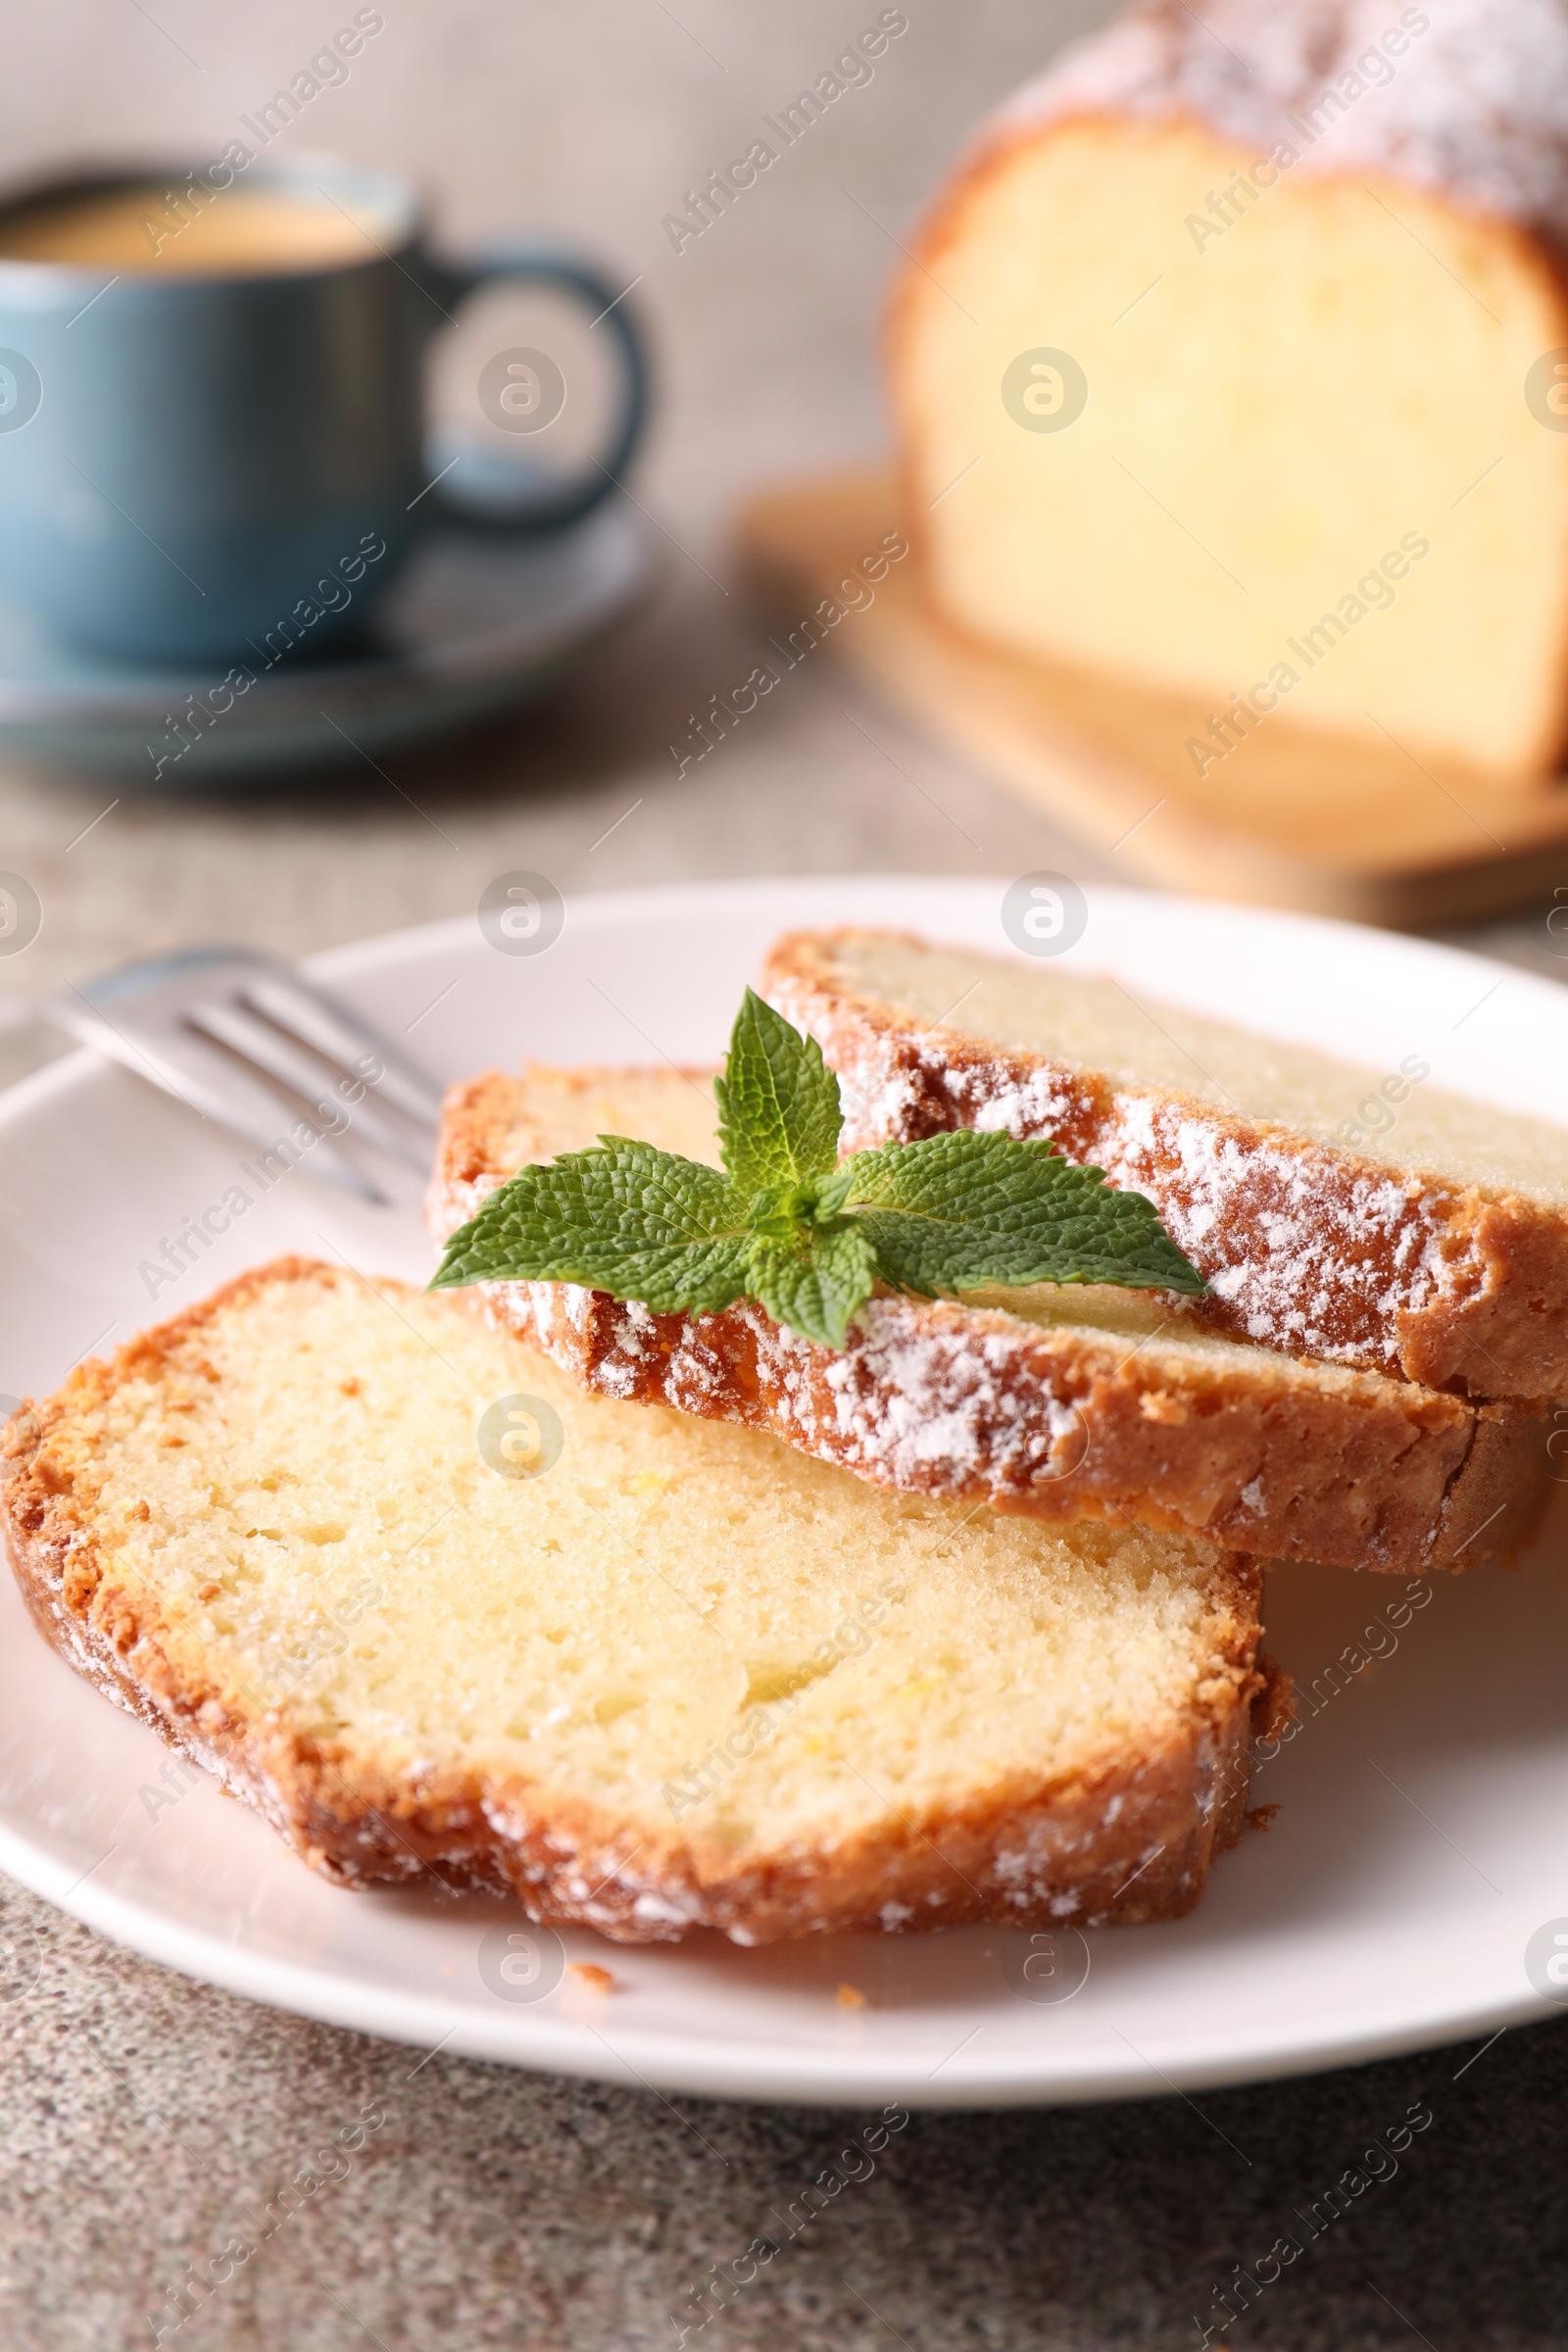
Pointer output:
x,y
144,2120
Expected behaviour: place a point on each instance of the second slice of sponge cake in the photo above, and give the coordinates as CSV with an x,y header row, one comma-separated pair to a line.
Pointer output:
x,y
1434,1247
1059,1401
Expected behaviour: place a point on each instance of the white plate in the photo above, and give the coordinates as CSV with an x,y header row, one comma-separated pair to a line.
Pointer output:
x,y
1420,1839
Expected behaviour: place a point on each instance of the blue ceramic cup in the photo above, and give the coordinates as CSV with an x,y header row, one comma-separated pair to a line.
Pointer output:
x,y
212,420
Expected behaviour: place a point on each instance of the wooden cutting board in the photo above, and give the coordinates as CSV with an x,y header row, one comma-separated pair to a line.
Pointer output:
x,y
1287,818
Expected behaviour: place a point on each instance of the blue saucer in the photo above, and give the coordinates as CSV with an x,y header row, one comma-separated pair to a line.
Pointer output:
x,y
476,621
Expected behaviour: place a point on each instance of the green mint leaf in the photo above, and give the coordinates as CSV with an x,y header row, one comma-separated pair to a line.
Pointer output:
x,y
814,1284
778,1104
807,1238
962,1211
622,1217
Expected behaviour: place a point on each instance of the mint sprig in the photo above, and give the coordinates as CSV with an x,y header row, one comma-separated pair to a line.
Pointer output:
x,y
788,1225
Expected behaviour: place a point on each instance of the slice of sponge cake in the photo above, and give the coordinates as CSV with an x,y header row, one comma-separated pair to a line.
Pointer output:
x,y
1432,1245
1059,1401
430,1609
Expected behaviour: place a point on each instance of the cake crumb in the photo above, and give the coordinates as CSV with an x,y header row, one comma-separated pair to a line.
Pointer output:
x,y
1258,1817
1158,1404
589,1973
209,1591
139,1510
851,1997
350,1388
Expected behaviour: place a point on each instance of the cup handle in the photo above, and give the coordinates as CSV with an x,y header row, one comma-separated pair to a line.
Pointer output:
x,y
524,384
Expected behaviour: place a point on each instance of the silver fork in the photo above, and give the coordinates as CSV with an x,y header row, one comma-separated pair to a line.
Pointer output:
x,y
210,1024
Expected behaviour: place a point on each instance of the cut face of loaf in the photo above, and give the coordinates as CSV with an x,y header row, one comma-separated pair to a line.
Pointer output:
x,y
679,1678
1059,1401
1435,1248
1279,387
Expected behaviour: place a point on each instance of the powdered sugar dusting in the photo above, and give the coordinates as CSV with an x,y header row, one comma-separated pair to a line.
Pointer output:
x,y
1474,104
1327,1246
916,1400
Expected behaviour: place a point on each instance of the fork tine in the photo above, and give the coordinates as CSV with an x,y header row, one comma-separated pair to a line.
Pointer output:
x,y
251,1005
206,1081
238,1028
342,1035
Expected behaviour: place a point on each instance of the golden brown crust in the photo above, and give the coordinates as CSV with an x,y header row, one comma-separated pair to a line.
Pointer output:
x,y
1450,1285
1128,1838
1343,1467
